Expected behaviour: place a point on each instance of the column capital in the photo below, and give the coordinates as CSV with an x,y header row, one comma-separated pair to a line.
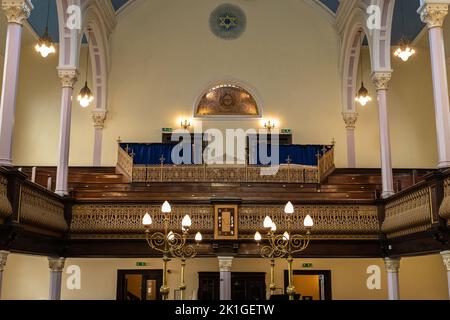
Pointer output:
x,y
3,258
56,264
99,117
392,264
68,77
433,14
381,79
350,119
225,264
446,258
17,11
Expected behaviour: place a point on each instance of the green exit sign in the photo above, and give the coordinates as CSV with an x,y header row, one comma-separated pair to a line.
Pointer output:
x,y
286,131
167,130
141,264
307,265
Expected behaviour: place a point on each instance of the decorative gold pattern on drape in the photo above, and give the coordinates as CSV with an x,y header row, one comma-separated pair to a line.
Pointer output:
x,y
409,214
119,220
5,205
41,210
444,211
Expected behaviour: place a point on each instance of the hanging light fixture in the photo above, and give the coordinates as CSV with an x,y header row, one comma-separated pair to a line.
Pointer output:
x,y
363,96
404,50
85,97
45,44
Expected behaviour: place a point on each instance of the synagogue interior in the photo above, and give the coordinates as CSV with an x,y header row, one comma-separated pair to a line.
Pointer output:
x,y
224,150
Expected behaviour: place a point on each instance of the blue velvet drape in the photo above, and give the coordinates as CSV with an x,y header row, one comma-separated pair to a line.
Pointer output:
x,y
150,154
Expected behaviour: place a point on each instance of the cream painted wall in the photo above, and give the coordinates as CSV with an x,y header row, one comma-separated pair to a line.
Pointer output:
x,y
27,277
164,56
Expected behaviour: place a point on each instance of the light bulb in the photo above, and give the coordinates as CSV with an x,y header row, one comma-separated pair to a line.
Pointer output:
x,y
45,49
85,97
198,237
147,220
274,227
166,208
187,222
363,96
308,223
171,236
258,236
289,209
268,222
286,236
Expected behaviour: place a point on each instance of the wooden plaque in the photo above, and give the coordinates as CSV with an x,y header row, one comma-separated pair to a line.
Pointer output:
x,y
225,222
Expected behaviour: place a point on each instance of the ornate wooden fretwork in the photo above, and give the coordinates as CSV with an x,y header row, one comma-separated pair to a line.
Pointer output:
x,y
444,211
125,163
5,205
40,210
125,221
409,214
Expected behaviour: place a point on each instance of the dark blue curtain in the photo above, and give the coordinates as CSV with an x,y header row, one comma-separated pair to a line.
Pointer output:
x,y
150,154
298,154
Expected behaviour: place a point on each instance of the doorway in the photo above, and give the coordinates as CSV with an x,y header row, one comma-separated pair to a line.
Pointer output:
x,y
311,284
139,285
245,286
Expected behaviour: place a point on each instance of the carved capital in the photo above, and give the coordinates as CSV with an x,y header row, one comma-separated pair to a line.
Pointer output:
x,y
381,80
17,11
68,77
225,264
99,117
392,265
433,14
350,119
56,264
446,258
3,258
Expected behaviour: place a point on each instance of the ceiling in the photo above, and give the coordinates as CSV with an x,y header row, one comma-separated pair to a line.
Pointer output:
x,y
410,28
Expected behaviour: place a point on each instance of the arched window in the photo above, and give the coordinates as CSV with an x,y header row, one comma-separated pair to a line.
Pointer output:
x,y
227,100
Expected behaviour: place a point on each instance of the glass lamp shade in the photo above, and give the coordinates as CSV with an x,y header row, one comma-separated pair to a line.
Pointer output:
x,y
289,208
45,45
274,227
286,236
187,222
171,236
404,50
147,220
198,237
268,222
363,96
166,208
258,236
85,97
308,222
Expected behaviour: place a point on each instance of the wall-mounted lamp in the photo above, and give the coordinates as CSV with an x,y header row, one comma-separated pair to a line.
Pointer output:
x,y
186,124
270,125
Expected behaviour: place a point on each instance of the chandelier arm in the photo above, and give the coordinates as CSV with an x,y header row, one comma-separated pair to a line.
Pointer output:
x,y
156,241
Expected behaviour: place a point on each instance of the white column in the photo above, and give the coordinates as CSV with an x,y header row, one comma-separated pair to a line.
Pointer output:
x,y
56,266
392,268
350,124
99,117
381,81
17,11
68,78
225,264
3,258
446,258
433,14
